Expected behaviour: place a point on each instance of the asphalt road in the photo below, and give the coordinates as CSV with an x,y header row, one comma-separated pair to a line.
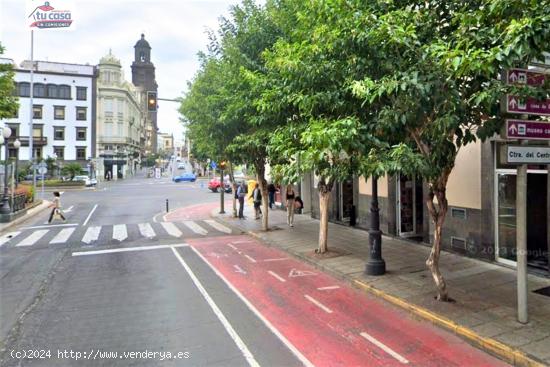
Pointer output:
x,y
122,283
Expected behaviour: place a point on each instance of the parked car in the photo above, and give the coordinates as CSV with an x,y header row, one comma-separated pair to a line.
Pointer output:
x,y
214,185
181,165
190,177
87,180
38,177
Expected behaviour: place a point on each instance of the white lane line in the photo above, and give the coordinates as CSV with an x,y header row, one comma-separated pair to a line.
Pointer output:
x,y
90,215
92,234
279,259
220,227
251,307
385,348
52,226
195,227
171,229
253,260
8,236
33,238
146,230
318,304
120,232
328,288
226,324
277,276
233,247
126,249
63,235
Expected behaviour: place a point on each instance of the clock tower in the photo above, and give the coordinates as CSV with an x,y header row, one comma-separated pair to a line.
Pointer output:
x,y
143,75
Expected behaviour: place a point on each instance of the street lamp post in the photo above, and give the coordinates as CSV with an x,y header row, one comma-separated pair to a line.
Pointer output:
x,y
5,208
375,265
16,145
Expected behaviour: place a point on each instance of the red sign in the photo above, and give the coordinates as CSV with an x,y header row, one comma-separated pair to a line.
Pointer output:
x,y
528,130
530,106
522,76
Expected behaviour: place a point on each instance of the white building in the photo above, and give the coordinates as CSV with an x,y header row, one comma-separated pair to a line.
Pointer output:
x,y
63,110
121,120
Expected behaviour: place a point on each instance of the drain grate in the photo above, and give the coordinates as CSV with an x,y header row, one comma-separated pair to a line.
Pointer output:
x,y
544,291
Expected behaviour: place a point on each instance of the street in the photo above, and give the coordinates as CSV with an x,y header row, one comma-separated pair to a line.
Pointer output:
x,y
117,281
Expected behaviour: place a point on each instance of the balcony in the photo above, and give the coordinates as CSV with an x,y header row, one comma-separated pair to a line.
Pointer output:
x,y
37,141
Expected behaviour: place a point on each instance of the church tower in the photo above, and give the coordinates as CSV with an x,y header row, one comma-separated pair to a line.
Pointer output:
x,y
143,75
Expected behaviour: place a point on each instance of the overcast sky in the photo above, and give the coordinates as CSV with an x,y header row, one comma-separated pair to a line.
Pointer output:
x,y
175,29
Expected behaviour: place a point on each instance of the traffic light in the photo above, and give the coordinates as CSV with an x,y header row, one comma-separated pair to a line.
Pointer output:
x,y
152,101
223,165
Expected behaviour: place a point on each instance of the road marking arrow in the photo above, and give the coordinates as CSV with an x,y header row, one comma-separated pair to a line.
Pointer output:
x,y
69,209
300,273
238,269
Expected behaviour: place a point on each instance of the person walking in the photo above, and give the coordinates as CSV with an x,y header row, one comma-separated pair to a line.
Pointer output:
x,y
241,194
271,190
56,207
290,196
257,199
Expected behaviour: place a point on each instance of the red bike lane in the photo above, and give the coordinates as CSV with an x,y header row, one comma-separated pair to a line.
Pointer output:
x,y
329,322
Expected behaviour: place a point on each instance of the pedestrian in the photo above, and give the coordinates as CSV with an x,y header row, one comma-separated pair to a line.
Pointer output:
x,y
56,207
271,190
299,204
290,196
257,199
241,194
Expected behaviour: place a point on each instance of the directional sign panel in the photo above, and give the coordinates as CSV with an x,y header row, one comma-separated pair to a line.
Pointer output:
x,y
522,76
529,130
530,106
528,155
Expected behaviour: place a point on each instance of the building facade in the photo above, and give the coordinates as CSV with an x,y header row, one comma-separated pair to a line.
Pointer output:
x,y
143,75
63,110
165,143
121,121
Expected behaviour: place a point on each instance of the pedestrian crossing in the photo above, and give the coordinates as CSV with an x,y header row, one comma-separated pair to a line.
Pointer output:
x,y
115,234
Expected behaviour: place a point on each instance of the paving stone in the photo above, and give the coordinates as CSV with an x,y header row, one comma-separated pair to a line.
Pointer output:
x,y
490,329
540,348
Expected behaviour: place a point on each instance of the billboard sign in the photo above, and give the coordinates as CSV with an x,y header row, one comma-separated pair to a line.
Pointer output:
x,y
57,14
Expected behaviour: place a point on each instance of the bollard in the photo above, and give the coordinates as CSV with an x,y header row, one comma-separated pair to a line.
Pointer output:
x,y
166,205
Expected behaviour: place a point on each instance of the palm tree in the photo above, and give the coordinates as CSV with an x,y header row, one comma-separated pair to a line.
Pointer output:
x,y
72,169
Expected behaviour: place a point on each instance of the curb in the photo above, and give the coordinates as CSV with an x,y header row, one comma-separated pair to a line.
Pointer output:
x,y
30,213
489,345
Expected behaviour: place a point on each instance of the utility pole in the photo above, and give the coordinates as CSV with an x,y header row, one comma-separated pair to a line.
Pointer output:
x,y
222,187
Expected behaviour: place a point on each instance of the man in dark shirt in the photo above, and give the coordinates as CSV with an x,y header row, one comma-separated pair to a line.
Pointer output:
x,y
271,192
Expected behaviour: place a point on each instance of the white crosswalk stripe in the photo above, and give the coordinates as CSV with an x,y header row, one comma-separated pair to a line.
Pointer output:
x,y
195,227
120,232
146,230
171,229
63,236
33,238
220,227
92,234
8,236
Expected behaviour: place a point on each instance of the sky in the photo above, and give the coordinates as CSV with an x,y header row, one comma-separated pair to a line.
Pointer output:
x,y
175,29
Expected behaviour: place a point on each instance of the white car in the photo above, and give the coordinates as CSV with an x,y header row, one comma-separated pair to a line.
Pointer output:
x,y
181,165
87,181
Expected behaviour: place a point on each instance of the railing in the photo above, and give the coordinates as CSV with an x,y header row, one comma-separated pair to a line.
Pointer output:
x,y
17,202
36,140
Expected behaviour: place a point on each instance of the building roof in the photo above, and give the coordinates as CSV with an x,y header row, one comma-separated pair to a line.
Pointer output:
x,y
109,59
142,43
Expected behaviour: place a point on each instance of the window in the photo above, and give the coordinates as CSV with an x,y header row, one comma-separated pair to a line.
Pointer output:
x,y
108,105
37,152
59,112
51,90
81,153
58,133
80,133
64,92
81,113
37,111
81,93
39,90
12,153
59,152
37,131
24,89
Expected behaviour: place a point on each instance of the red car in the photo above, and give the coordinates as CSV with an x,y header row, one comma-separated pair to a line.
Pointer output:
x,y
214,185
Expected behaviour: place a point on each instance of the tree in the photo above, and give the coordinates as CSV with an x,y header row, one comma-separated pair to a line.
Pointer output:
x,y
8,101
438,88
72,169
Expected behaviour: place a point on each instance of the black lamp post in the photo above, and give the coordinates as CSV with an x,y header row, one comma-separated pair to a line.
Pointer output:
x,y
5,208
16,145
375,265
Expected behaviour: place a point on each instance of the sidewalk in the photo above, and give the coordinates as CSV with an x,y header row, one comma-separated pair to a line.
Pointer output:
x,y
485,294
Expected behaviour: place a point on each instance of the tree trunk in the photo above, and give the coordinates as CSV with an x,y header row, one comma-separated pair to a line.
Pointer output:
x,y
438,190
324,200
260,176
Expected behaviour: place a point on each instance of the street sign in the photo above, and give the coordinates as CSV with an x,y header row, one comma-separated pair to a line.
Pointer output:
x,y
526,129
528,154
213,165
529,106
523,76
42,170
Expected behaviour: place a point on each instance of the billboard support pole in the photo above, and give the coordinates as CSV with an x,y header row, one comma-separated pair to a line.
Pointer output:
x,y
31,127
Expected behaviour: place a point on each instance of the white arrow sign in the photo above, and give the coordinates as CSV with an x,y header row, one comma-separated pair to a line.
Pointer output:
x,y
513,103
513,129
238,269
300,273
513,77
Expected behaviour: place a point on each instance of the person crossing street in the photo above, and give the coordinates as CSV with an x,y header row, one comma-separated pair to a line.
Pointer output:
x,y
56,207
